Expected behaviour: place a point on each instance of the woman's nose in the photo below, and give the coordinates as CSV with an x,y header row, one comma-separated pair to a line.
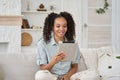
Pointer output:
x,y
61,28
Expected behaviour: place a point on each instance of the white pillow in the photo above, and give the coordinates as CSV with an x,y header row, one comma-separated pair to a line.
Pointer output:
x,y
90,58
104,50
89,74
109,65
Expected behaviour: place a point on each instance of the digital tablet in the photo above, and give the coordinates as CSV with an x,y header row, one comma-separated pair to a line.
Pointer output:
x,y
70,50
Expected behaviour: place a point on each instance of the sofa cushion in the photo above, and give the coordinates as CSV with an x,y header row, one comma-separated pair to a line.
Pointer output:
x,y
16,66
90,58
82,66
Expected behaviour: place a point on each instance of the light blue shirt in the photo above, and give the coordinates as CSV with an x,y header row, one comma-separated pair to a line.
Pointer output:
x,y
47,51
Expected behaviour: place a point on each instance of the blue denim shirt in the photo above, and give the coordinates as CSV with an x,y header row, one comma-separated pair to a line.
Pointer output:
x,y
47,51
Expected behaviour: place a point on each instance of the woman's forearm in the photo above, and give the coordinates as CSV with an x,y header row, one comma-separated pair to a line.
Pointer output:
x,y
47,66
73,70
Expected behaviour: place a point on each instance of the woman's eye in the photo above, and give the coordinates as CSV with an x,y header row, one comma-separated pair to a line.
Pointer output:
x,y
57,26
65,26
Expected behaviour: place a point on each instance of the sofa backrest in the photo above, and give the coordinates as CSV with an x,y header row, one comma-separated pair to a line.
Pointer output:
x,y
14,66
82,66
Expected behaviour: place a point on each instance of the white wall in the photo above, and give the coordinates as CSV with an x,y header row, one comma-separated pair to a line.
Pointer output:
x,y
96,27
37,18
116,25
10,29
10,7
34,4
12,36
74,7
13,7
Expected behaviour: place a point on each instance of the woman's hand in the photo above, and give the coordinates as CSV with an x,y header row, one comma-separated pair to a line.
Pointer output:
x,y
54,60
60,56
65,77
70,72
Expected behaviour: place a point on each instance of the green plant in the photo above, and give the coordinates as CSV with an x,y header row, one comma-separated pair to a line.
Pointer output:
x,y
105,7
118,57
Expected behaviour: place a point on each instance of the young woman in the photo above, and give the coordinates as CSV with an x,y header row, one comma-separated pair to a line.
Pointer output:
x,y
57,27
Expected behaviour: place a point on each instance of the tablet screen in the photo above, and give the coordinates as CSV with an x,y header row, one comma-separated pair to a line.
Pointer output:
x,y
69,49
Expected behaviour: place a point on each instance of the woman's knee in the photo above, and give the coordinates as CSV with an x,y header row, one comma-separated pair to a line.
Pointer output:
x,y
44,75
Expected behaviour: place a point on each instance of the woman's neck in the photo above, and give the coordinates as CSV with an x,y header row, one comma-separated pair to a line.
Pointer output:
x,y
57,39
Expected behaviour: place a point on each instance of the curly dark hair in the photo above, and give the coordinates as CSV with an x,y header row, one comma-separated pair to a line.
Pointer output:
x,y
49,23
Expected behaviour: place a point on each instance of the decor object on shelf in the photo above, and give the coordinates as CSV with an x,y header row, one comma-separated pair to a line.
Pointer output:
x,y
25,23
26,39
41,8
52,7
28,5
36,27
105,7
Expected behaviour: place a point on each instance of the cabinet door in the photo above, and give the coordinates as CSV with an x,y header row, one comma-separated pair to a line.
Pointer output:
x,y
96,27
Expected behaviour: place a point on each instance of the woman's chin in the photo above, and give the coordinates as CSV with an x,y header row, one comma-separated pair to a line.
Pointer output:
x,y
61,36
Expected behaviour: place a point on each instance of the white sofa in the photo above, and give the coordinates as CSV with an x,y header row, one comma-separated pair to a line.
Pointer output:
x,y
14,66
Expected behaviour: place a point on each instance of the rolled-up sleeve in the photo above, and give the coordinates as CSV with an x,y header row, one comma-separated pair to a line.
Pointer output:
x,y
77,56
41,57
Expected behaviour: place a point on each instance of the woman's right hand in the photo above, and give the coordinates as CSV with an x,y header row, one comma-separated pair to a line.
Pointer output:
x,y
60,56
57,58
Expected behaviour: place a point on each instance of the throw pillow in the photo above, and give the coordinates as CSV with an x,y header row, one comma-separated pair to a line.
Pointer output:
x,y
109,65
104,50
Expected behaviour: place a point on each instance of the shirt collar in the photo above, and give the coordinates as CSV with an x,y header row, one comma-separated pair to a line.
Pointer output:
x,y
53,41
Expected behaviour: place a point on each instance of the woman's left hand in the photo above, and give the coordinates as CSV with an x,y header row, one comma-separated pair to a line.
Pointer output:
x,y
65,77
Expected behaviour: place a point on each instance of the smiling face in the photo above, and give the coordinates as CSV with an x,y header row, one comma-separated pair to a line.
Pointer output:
x,y
60,28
